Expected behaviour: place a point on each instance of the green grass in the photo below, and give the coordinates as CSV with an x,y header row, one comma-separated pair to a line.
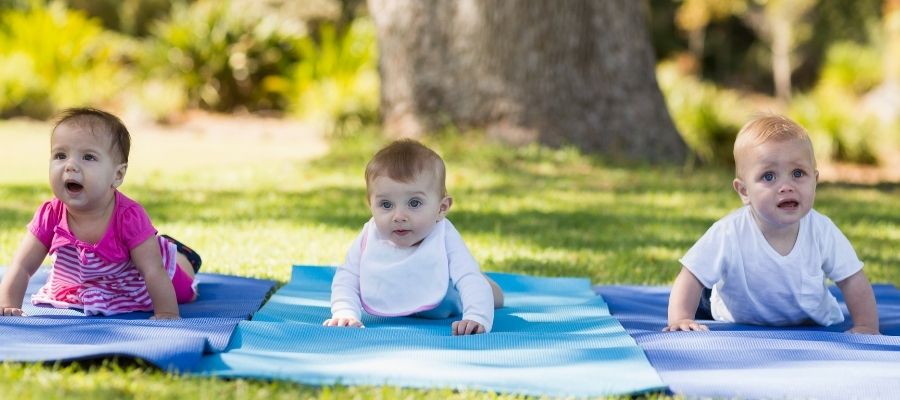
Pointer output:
x,y
530,210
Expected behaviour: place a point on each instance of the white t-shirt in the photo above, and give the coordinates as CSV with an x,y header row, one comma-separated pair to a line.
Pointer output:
x,y
753,284
392,281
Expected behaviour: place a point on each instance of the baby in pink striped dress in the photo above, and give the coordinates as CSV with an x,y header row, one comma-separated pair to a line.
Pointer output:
x,y
107,257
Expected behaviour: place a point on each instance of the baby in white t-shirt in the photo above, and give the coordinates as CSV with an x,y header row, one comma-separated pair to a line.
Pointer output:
x,y
409,260
767,262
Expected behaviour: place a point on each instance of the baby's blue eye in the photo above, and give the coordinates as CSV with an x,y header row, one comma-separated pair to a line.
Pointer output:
x,y
768,177
386,205
89,157
798,173
59,156
415,203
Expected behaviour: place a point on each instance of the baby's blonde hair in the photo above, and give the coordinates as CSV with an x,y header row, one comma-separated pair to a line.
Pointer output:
x,y
402,161
767,128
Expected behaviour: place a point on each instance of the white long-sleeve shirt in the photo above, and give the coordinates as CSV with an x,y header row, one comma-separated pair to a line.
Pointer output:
x,y
392,281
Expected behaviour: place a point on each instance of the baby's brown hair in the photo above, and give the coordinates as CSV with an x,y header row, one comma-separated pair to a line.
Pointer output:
x,y
99,122
402,161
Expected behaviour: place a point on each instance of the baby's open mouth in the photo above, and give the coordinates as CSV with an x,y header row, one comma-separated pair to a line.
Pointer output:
x,y
74,186
789,204
401,232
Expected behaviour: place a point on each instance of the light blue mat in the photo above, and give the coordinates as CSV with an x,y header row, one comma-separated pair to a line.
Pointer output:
x,y
51,334
554,337
744,361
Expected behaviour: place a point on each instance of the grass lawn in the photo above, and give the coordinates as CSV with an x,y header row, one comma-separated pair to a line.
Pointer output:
x,y
253,207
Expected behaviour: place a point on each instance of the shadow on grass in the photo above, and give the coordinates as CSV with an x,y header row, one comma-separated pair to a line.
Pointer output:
x,y
635,218
344,208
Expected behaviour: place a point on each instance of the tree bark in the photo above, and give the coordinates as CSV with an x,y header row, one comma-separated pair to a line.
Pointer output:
x,y
577,72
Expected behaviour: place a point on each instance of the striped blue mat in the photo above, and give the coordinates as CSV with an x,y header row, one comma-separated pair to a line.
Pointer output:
x,y
743,361
51,334
553,337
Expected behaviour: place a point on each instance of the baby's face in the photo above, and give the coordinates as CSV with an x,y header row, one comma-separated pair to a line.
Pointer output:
x,y
778,181
84,173
406,212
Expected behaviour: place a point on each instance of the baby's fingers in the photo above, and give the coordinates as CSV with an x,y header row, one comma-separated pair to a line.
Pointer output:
x,y
686,326
160,317
13,312
345,322
466,327
355,323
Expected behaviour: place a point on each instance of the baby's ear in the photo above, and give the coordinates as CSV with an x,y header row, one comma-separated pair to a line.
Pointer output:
x,y
120,175
446,202
741,190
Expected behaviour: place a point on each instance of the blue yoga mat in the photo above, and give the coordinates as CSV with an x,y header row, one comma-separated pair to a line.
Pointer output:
x,y
734,360
51,334
553,337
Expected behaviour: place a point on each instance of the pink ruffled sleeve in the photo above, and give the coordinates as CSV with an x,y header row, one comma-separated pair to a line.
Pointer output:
x,y
45,220
134,226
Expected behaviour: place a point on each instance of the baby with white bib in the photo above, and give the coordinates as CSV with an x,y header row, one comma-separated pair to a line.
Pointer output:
x,y
409,260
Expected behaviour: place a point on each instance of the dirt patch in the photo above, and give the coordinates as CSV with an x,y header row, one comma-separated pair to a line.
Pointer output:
x,y
203,140
887,171
198,141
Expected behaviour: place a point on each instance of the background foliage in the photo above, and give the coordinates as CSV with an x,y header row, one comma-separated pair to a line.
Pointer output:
x,y
317,59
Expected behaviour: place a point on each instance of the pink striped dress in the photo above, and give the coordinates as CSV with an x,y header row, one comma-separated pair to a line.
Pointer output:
x,y
99,278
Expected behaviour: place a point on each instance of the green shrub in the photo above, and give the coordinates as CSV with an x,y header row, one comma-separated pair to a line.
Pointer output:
x,y
852,67
838,130
336,79
21,91
707,117
228,55
132,17
159,99
52,57
831,111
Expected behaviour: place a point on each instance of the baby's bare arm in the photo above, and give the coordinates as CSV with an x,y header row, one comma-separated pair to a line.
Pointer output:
x,y
683,302
27,259
149,262
860,301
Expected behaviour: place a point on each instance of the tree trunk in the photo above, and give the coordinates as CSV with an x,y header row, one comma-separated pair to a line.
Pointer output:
x,y
781,59
892,41
577,72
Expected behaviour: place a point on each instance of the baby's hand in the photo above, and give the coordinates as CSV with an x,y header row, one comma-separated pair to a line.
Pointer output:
x,y
466,327
13,312
685,325
165,316
863,330
349,322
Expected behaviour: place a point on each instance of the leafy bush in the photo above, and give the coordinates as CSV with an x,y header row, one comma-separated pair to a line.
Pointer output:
x,y
132,17
852,67
228,55
707,117
839,132
52,57
831,111
337,79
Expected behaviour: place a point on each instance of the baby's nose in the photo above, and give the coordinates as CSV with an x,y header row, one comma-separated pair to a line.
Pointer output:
x,y
71,165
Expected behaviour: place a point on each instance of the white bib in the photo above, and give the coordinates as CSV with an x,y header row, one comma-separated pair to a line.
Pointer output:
x,y
402,281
